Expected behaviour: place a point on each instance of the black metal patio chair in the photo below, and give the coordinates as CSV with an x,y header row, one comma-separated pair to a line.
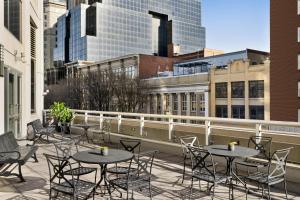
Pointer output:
x,y
187,141
131,145
70,184
263,145
136,180
275,174
39,131
65,149
204,169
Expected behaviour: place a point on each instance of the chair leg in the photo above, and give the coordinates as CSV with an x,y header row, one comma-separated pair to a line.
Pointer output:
x,y
285,188
150,190
262,191
191,192
269,192
35,157
183,173
213,194
20,174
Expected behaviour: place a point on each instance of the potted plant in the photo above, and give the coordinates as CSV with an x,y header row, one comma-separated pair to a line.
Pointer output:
x,y
62,116
65,119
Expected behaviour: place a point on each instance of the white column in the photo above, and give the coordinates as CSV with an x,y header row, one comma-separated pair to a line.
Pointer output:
x,y
206,98
179,103
188,104
171,103
155,103
148,109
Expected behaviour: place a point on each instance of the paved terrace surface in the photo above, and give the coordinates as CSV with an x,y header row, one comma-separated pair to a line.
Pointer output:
x,y
166,181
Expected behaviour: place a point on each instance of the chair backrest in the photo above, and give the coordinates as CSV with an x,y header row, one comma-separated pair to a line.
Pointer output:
x,y
202,161
262,144
8,142
188,141
144,163
65,149
36,125
277,164
131,145
57,166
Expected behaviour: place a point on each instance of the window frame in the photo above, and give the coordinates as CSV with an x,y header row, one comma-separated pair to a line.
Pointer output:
x,y
257,91
256,107
235,95
219,93
241,111
224,111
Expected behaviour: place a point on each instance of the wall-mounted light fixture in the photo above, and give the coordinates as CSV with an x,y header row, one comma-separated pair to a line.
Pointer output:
x,y
1,60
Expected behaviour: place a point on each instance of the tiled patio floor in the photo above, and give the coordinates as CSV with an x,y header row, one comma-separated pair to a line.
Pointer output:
x,y
166,182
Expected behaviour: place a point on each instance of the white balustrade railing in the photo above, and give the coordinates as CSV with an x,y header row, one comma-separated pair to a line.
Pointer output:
x,y
258,127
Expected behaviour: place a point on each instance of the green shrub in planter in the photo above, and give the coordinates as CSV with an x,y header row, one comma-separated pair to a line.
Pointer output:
x,y
62,115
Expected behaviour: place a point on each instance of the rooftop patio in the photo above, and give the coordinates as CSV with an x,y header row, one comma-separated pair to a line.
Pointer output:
x,y
167,176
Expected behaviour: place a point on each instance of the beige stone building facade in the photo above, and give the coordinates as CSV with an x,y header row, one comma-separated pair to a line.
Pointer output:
x,y
179,95
241,90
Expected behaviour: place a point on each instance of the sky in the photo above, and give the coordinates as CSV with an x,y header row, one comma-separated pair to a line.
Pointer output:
x,y
233,25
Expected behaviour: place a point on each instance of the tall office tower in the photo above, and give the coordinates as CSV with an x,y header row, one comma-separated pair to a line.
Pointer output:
x,y
52,10
101,29
285,60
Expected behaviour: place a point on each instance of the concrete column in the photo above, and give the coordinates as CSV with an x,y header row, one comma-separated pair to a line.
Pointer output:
x,y
179,103
188,104
155,103
229,99
247,113
206,99
148,108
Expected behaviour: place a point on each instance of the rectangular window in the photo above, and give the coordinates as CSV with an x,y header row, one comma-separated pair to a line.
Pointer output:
x,y
33,68
12,17
221,90
298,61
202,102
238,89
298,88
256,89
158,103
167,104
238,112
91,25
298,34
257,112
184,102
298,7
175,102
221,111
193,102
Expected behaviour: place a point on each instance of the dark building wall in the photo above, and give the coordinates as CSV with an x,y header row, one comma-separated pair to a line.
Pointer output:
x,y
149,65
284,73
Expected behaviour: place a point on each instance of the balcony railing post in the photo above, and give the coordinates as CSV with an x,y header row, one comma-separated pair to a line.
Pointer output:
x,y
101,121
119,122
142,124
85,117
207,132
171,127
258,131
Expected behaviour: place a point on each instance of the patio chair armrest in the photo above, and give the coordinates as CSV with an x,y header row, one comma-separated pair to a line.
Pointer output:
x,y
9,156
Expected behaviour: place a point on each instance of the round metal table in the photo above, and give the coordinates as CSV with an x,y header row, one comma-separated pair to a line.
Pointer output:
x,y
94,157
238,152
85,127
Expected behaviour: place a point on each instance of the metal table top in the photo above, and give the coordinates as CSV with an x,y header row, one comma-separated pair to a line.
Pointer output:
x,y
222,150
94,157
85,126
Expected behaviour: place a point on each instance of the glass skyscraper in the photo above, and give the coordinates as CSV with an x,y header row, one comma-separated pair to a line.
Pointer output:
x,y
101,29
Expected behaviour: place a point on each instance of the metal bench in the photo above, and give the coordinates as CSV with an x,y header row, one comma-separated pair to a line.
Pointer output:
x,y
39,131
13,155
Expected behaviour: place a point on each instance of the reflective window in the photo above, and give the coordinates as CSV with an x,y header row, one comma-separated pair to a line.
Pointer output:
x,y
256,89
238,112
12,17
238,89
221,90
221,111
257,112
